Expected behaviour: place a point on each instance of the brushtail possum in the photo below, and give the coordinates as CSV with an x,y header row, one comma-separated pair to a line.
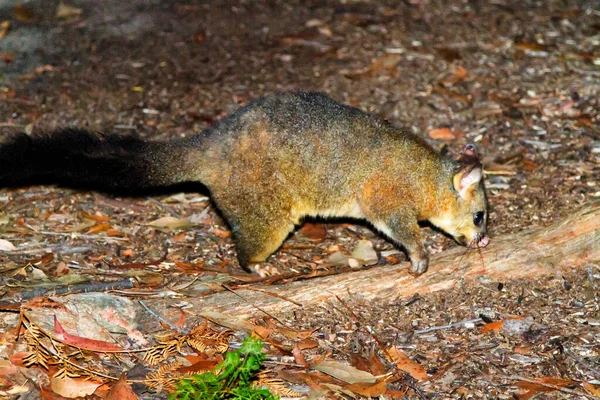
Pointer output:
x,y
273,162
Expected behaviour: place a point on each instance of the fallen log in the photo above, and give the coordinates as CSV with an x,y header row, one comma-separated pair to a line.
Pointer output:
x,y
570,243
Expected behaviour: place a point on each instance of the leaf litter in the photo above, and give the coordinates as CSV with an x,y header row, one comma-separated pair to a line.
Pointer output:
x,y
524,89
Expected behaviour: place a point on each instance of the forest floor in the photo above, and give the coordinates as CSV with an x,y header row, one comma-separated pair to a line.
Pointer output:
x,y
521,79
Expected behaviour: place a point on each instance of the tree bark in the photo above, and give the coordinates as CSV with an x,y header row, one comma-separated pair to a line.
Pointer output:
x,y
568,244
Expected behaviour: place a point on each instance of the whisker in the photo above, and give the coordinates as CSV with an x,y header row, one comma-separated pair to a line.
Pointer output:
x,y
482,259
463,255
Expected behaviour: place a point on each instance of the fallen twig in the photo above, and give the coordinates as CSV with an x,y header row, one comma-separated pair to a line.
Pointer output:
x,y
51,249
454,325
76,235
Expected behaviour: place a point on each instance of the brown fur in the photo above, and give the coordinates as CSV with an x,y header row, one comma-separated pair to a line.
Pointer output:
x,y
272,163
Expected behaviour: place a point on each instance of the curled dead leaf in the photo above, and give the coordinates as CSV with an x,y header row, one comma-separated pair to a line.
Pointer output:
x,y
407,365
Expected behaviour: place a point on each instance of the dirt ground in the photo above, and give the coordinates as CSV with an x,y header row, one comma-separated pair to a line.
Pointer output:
x,y
521,79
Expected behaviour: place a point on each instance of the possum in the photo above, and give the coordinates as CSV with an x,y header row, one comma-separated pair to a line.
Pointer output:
x,y
274,162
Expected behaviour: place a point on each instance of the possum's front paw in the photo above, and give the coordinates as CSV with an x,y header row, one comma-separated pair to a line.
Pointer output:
x,y
419,264
263,270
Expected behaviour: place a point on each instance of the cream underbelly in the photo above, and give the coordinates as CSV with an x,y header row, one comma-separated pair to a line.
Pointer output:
x,y
350,209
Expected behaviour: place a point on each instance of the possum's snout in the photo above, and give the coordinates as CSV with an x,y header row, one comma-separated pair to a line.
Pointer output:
x,y
480,240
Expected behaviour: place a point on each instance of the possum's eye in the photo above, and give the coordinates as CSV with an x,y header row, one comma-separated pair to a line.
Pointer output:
x,y
478,218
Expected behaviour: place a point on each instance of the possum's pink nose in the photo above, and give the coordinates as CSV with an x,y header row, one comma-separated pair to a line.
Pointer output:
x,y
483,241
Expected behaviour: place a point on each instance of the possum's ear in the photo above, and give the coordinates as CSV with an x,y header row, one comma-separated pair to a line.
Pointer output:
x,y
470,173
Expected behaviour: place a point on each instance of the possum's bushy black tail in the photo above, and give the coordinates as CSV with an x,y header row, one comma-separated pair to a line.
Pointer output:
x,y
81,159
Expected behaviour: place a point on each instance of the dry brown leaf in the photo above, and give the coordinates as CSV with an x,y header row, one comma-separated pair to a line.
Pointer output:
x,y
86,224
407,365
314,380
396,394
291,333
548,380
344,372
307,343
492,326
65,11
584,121
458,75
497,325
529,166
4,28
7,58
262,331
530,46
592,389
298,356
73,388
387,62
121,390
127,253
377,367
201,365
81,342
23,14
170,223
449,54
95,217
237,323
180,237
7,368
306,39
368,389
221,233
465,99
316,232
445,134
360,362
98,229
525,350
